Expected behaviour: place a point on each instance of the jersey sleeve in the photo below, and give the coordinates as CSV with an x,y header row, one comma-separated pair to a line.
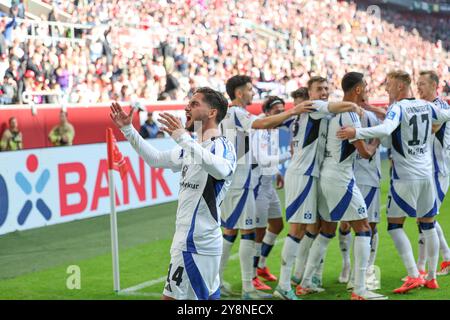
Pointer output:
x,y
243,120
171,159
389,124
321,110
349,119
440,114
219,161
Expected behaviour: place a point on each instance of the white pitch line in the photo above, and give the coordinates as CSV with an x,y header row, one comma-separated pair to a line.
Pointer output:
x,y
144,285
135,293
132,290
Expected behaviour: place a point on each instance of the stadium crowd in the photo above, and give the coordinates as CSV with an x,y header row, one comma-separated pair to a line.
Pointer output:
x,y
163,50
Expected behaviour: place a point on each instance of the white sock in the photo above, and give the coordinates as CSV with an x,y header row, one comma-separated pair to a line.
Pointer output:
x,y
287,261
302,254
319,271
228,242
445,251
362,253
258,246
432,244
373,249
345,242
246,254
267,245
316,254
404,249
422,254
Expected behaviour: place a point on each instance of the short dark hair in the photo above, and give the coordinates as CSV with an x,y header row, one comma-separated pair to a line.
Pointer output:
x,y
315,79
350,80
431,74
215,100
234,83
270,102
300,93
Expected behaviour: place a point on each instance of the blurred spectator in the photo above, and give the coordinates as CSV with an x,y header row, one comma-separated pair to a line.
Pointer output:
x,y
149,129
63,133
8,90
12,137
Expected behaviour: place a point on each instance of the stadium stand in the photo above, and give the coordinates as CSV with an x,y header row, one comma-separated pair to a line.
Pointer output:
x,y
154,50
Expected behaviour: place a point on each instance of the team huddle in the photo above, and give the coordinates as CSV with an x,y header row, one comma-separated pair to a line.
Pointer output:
x,y
228,159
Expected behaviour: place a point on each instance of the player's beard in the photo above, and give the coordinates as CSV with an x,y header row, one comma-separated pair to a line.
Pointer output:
x,y
190,126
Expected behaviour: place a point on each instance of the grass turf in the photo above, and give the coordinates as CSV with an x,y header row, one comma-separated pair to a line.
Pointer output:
x,y
33,264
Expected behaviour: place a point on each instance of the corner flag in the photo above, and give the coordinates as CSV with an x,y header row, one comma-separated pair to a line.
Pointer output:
x,y
116,161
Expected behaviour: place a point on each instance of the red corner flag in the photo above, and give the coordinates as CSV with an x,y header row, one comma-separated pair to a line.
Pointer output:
x,y
116,160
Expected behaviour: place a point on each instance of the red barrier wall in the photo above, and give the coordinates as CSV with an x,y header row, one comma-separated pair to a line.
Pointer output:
x,y
90,123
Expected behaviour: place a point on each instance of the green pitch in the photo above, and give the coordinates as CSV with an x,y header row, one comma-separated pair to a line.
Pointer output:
x,y
34,264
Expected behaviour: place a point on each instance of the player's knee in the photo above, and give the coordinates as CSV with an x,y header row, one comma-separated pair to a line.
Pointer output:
x,y
276,225
312,228
344,227
230,232
361,226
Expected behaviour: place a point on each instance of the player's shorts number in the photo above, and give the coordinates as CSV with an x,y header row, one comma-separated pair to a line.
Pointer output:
x,y
177,276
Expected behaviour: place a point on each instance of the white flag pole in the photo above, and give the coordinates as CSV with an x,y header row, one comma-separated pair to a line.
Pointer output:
x,y
114,234
113,215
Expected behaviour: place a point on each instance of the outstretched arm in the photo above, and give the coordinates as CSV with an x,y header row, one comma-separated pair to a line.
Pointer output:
x,y
152,156
276,120
383,130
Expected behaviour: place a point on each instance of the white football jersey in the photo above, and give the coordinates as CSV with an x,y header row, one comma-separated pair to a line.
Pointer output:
x,y
309,134
409,122
368,171
266,154
441,143
340,154
237,127
206,171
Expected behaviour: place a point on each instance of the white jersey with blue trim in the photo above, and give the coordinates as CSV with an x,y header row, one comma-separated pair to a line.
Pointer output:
x,y
206,171
340,154
266,156
309,134
237,127
368,171
441,143
409,122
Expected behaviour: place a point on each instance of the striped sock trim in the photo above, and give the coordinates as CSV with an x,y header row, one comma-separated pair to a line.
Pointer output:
x,y
310,235
230,238
419,228
364,234
249,236
426,225
294,238
393,226
344,233
328,235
